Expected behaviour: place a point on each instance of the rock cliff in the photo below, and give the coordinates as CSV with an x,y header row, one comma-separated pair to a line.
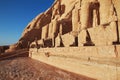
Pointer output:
x,y
84,21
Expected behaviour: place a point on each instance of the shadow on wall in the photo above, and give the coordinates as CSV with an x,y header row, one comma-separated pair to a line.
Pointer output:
x,y
88,40
94,14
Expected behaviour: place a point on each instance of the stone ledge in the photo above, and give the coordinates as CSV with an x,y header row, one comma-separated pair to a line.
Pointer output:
x,y
88,61
91,51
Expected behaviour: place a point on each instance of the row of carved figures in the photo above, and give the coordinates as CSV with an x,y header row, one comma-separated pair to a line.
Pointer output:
x,y
84,14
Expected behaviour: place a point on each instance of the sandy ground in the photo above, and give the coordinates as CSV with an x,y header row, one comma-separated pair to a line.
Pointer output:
x,y
24,68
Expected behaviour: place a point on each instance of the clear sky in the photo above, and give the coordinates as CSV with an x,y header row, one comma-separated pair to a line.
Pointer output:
x,y
16,14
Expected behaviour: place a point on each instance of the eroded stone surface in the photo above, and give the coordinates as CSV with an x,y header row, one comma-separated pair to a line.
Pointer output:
x,y
89,61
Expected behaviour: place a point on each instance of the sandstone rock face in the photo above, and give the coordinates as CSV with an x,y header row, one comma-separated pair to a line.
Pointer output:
x,y
3,48
99,18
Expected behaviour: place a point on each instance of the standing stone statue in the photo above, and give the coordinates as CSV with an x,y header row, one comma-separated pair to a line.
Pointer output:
x,y
113,22
76,17
84,17
54,20
76,23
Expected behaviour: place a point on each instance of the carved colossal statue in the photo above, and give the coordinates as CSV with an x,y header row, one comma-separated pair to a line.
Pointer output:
x,y
55,16
54,21
113,22
56,10
84,14
76,17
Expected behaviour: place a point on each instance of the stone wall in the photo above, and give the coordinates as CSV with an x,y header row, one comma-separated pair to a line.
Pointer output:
x,y
100,63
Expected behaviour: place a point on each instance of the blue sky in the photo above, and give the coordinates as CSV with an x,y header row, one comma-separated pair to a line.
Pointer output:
x,y
16,14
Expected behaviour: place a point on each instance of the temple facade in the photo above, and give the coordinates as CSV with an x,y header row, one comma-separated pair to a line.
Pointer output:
x,y
74,23
84,23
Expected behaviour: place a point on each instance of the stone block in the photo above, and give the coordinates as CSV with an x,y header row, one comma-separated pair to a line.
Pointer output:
x,y
106,52
68,40
99,36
